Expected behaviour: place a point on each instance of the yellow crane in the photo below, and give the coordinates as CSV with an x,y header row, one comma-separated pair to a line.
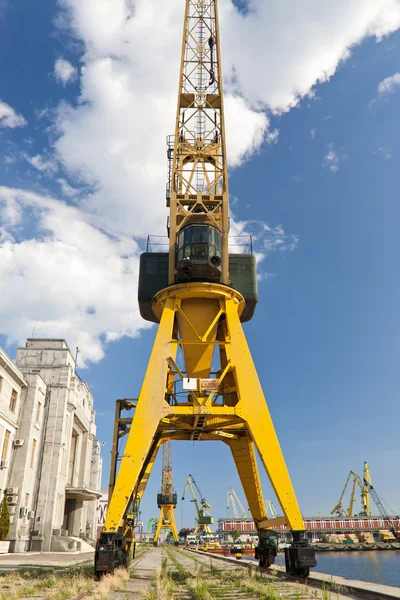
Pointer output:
x,y
364,486
203,517
166,499
200,295
233,502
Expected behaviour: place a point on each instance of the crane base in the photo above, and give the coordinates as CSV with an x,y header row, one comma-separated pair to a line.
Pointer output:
x,y
267,548
113,551
300,556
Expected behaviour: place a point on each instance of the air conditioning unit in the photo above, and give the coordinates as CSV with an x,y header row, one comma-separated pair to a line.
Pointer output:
x,y
31,514
3,464
19,442
12,499
23,511
12,491
12,510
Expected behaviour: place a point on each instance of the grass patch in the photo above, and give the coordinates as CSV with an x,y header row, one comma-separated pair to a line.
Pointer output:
x,y
59,584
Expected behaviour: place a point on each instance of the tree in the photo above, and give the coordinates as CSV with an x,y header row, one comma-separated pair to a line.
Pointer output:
x,y
4,519
235,535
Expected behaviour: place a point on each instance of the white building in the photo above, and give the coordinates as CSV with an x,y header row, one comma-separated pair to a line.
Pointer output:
x,y
53,472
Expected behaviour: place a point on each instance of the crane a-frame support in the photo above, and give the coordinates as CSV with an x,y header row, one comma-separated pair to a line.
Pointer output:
x,y
210,390
205,317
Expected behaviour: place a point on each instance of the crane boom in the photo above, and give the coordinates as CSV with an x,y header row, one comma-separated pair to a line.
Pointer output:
x,y
378,502
271,507
197,190
231,500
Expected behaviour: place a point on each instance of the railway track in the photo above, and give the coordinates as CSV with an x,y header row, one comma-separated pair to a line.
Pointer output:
x,y
170,573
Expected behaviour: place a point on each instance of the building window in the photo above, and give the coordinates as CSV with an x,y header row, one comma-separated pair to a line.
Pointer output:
x,y
13,401
27,500
37,418
1,382
33,453
6,442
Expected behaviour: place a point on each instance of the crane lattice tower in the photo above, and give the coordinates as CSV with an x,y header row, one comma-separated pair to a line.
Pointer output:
x,y
200,295
167,499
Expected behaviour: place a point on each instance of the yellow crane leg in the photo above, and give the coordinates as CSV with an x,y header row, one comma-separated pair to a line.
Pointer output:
x,y
150,409
245,460
255,413
167,521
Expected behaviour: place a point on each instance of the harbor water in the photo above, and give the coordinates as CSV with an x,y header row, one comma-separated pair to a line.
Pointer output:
x,y
374,566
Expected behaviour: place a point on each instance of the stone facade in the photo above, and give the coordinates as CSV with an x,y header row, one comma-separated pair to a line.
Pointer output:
x,y
53,476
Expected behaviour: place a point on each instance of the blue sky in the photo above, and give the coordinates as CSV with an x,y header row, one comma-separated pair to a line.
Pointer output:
x,y
82,174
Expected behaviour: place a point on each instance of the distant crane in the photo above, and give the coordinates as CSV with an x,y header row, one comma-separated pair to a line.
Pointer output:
x,y
269,505
167,499
379,504
364,485
203,517
233,502
151,525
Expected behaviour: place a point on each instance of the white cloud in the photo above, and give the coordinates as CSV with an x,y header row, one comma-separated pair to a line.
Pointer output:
x,y
73,281
271,58
111,140
9,118
265,238
67,189
383,152
388,85
64,71
48,166
280,50
313,133
333,158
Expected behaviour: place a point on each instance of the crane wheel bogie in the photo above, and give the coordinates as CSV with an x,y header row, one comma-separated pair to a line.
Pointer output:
x,y
299,558
113,551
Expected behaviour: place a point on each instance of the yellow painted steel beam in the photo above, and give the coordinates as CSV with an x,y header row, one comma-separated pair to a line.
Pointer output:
x,y
245,460
242,420
151,408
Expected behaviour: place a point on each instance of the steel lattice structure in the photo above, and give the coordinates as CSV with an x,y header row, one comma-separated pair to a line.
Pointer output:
x,y
198,182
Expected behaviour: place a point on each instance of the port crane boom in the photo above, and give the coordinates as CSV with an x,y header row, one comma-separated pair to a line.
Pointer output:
x,y
203,517
199,294
233,501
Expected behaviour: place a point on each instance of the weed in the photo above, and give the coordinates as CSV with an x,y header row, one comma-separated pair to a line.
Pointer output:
x,y
325,592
